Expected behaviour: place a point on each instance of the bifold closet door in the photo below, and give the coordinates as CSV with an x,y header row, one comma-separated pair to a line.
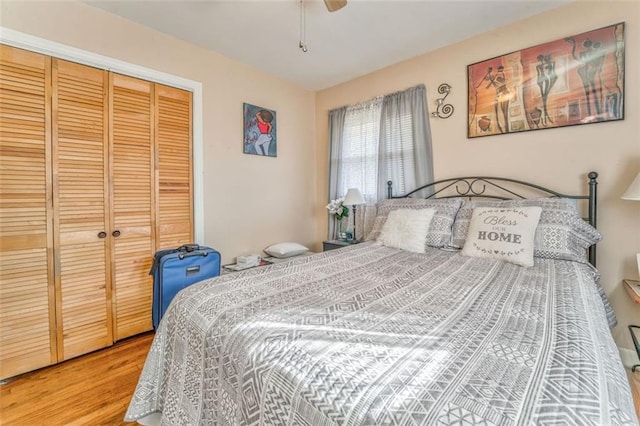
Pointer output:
x,y
174,205
81,213
27,317
131,140
95,176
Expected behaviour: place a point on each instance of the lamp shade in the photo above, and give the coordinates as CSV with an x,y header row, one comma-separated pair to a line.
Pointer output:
x,y
633,192
353,197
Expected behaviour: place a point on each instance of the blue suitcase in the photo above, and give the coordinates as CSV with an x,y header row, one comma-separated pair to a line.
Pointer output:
x,y
175,269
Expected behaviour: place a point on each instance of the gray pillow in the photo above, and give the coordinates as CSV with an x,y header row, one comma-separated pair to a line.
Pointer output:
x,y
561,233
286,249
439,234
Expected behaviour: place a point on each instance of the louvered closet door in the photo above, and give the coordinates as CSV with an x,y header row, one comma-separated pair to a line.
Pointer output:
x,y
80,111
173,138
132,199
27,317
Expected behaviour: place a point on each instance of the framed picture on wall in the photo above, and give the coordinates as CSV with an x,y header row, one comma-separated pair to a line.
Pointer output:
x,y
259,131
575,80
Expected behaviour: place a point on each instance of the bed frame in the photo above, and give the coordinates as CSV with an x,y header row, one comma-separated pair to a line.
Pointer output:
x,y
504,189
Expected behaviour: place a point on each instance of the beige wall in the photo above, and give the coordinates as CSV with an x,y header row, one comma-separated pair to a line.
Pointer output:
x,y
249,201
558,158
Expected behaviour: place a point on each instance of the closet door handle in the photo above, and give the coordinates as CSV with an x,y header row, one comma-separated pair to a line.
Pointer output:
x,y
102,234
116,233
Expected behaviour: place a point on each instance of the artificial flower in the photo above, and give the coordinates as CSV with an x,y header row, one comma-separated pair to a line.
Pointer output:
x,y
338,209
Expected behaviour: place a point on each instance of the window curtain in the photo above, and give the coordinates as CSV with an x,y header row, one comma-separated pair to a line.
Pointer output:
x,y
405,155
355,134
336,133
359,154
387,138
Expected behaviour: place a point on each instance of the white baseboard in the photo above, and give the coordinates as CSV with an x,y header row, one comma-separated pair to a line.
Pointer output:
x,y
629,357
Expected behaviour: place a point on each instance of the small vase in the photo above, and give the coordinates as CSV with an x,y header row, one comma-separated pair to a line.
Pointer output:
x,y
342,234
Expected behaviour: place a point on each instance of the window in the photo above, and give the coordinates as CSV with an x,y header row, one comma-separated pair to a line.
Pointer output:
x,y
387,138
378,146
360,150
398,153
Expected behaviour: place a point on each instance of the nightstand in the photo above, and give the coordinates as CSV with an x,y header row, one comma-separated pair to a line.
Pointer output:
x,y
633,290
336,244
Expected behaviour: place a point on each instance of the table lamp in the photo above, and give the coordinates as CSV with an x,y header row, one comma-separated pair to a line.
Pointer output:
x,y
353,198
633,193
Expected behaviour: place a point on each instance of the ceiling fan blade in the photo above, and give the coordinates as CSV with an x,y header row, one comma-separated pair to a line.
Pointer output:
x,y
333,5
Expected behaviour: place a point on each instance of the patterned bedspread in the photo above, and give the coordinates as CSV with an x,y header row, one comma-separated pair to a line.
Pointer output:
x,y
370,335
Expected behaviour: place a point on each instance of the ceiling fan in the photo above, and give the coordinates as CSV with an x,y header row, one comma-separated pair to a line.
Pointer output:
x,y
333,5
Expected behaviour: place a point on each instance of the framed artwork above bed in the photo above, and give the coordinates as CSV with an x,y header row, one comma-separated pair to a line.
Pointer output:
x,y
575,80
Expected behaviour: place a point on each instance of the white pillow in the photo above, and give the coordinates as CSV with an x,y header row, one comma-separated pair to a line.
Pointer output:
x,y
407,229
503,234
282,250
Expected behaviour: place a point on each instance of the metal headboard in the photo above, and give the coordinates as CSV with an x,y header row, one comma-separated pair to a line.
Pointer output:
x,y
477,186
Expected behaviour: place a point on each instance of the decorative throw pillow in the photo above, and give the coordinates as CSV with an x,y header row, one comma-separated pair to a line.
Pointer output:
x,y
561,233
407,229
503,234
439,234
282,250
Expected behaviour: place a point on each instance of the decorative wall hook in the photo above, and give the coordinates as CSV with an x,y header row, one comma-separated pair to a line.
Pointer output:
x,y
443,110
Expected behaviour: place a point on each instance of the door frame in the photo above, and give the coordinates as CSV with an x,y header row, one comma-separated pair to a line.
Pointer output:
x,y
47,47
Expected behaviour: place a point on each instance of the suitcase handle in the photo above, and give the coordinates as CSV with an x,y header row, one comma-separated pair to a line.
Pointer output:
x,y
186,248
193,253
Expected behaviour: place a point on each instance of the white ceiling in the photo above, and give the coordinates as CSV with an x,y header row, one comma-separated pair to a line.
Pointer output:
x,y
364,36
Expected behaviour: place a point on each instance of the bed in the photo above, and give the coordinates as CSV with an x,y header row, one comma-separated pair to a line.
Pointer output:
x,y
374,334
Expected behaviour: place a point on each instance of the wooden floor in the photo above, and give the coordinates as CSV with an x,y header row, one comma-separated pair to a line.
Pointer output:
x,y
95,389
